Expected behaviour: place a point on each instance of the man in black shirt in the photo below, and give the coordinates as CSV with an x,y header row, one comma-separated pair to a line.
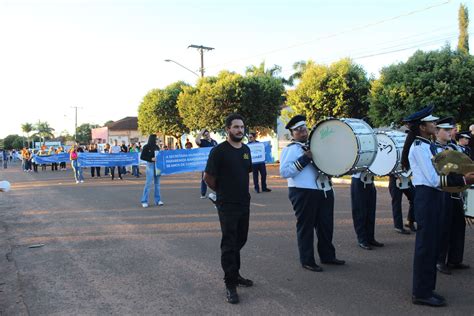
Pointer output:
x,y
227,173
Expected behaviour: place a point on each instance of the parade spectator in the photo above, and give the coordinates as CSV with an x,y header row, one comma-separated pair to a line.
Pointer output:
x,y
62,165
135,169
148,155
188,144
5,158
471,141
73,156
43,152
94,170
106,150
258,167
115,149
54,165
203,139
123,149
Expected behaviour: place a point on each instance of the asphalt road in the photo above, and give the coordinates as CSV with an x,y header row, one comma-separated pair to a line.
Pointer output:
x,y
104,254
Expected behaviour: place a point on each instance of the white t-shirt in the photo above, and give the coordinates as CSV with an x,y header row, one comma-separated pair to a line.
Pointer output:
x,y
115,149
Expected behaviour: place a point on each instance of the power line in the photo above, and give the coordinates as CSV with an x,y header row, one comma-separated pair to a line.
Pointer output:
x,y
357,28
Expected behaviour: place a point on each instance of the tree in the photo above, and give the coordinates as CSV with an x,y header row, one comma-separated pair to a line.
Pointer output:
x,y
463,20
443,77
43,131
257,96
159,112
13,142
84,132
338,90
108,122
27,128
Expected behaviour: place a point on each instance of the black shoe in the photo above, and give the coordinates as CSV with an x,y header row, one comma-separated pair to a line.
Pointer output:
x,y
257,191
365,246
440,297
312,267
335,261
458,266
375,243
443,268
402,231
244,282
231,295
430,301
411,226
266,190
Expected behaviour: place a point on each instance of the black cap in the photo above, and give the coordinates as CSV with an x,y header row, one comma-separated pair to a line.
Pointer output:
x,y
293,123
464,134
423,115
447,122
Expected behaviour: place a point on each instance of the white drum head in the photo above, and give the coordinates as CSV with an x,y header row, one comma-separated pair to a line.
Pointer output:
x,y
387,156
334,147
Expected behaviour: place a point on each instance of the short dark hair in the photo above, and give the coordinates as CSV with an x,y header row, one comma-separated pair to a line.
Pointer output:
x,y
254,135
231,117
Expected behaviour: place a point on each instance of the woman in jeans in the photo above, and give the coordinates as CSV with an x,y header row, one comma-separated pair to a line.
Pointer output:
x,y
148,154
73,155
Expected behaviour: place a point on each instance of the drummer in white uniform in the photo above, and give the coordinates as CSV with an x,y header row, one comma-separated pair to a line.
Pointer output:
x,y
312,197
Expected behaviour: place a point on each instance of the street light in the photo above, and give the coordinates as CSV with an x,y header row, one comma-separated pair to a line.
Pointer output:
x,y
172,61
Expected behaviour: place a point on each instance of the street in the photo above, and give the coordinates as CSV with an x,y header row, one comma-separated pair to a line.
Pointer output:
x,y
96,251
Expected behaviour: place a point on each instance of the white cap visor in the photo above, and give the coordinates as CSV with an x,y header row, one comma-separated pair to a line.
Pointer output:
x,y
445,125
430,118
300,123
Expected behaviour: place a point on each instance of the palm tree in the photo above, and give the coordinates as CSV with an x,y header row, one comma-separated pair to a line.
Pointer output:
x,y
272,72
27,128
299,67
44,130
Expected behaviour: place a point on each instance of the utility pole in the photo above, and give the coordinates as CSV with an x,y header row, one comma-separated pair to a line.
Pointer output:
x,y
201,50
75,122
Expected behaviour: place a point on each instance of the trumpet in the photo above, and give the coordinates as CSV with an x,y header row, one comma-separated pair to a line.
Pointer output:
x,y
451,161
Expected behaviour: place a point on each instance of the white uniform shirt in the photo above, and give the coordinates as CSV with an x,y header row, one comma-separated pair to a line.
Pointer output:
x,y
424,172
306,178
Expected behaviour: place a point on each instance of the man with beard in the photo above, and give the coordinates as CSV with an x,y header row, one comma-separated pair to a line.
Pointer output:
x,y
227,173
312,197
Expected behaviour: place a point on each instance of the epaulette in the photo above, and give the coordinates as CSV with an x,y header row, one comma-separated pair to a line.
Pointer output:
x,y
417,142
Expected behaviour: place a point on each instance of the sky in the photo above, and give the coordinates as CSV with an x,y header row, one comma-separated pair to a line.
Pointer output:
x,y
103,56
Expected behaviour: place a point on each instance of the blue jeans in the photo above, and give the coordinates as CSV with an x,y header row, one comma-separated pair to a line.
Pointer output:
x,y
203,185
135,171
151,177
77,171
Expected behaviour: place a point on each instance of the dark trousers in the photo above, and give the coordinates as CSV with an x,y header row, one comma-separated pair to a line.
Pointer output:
x,y
314,212
262,169
112,172
95,170
203,185
397,195
62,165
453,230
234,220
428,204
54,166
363,201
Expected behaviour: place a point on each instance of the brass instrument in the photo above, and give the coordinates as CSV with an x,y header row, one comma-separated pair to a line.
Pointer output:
x,y
451,161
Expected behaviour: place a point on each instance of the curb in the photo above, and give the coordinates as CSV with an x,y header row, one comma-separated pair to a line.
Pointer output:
x,y
379,184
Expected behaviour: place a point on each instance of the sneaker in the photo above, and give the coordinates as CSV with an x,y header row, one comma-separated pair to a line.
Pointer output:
x,y
77,181
160,203
203,196
244,282
212,197
266,190
144,205
82,181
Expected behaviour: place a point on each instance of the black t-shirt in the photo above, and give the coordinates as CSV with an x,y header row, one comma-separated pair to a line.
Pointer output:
x,y
207,143
230,166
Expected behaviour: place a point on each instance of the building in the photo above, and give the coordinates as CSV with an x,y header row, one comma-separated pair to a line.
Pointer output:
x,y
125,130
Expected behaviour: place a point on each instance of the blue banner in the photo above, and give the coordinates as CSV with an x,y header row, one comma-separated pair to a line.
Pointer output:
x,y
56,158
192,160
107,160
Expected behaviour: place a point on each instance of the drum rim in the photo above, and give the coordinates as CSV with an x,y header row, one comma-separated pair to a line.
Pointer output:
x,y
356,160
398,156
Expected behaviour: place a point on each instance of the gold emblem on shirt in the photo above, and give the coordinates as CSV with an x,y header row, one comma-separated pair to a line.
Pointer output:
x,y
246,156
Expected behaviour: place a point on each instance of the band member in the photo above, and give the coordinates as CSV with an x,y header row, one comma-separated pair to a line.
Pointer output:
x,y
312,197
463,142
417,155
227,173
396,192
363,202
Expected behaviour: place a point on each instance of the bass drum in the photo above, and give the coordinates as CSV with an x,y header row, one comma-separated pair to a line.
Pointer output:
x,y
389,153
342,146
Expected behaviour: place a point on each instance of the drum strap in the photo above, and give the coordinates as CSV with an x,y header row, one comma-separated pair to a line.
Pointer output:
x,y
366,177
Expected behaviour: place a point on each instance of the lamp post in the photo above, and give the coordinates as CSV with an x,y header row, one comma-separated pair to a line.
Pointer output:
x,y
172,61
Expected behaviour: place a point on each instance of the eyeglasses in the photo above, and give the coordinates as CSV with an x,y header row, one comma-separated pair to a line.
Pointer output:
x,y
300,128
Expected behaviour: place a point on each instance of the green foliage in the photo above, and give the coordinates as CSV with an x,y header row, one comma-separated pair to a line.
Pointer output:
x,y
27,128
158,111
84,133
463,20
257,96
13,142
444,78
43,131
338,90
